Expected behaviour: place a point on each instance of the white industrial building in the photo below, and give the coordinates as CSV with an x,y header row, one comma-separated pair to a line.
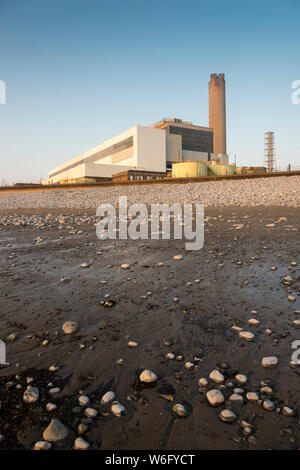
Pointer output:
x,y
145,149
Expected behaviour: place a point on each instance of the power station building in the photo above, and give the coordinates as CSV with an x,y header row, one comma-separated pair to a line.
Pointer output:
x,y
152,150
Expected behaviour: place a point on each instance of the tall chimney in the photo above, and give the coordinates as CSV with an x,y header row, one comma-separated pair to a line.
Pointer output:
x,y
217,111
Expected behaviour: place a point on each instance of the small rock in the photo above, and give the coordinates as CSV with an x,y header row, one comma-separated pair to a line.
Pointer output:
x,y
107,397
296,323
189,365
85,265
252,396
215,397
54,390
90,412
178,257
170,356
252,440
267,390
242,379
42,445
12,337
216,376
31,394
81,444
202,382
247,431
118,409
270,361
83,400
268,405
147,376
287,411
179,410
125,266
82,428
132,344
246,335
51,407
254,322
227,416
70,327
236,397
56,431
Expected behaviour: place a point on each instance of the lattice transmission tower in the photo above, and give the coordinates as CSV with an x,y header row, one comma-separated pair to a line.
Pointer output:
x,y
270,161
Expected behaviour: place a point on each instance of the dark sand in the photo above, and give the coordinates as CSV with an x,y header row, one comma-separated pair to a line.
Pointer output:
x,y
34,304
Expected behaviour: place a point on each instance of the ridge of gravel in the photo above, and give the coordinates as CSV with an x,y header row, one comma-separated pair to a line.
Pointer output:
x,y
279,191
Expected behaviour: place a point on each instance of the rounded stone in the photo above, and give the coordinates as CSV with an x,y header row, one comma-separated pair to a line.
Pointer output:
x,y
125,266
254,322
81,444
242,379
83,400
54,390
189,365
42,445
215,397
252,396
236,397
107,397
287,411
179,410
51,407
246,335
147,376
90,412
56,431
118,409
31,394
270,361
227,416
216,376
70,327
170,356
268,405
202,382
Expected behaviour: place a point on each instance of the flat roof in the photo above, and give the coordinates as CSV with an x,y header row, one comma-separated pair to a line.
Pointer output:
x,y
179,123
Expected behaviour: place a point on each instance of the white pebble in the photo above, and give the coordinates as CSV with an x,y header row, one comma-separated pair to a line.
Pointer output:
x,y
215,397
270,361
107,397
147,376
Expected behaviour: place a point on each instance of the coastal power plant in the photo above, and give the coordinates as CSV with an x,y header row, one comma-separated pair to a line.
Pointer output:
x,y
149,152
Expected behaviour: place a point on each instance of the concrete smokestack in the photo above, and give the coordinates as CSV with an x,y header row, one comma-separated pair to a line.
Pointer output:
x,y
217,111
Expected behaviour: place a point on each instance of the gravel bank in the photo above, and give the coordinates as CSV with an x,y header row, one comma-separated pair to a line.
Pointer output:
x,y
277,191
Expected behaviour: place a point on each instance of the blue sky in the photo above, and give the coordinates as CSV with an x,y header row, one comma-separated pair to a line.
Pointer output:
x,y
80,72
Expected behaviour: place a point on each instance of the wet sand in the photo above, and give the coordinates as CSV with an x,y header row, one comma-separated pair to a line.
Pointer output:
x,y
235,278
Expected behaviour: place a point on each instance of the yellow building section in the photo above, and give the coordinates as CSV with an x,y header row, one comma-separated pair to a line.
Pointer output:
x,y
250,170
217,169
188,169
78,180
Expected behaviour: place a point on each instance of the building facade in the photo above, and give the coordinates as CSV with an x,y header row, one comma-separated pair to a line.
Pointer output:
x,y
139,148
